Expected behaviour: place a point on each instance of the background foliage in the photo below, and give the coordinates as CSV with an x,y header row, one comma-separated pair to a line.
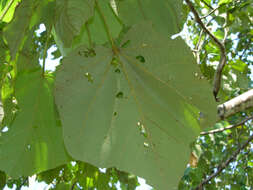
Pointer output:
x,y
228,20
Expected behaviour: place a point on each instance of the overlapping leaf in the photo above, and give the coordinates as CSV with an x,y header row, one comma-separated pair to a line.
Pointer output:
x,y
70,17
33,142
93,32
137,109
28,14
166,15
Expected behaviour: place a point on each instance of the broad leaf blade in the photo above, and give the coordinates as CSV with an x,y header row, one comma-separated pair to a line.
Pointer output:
x,y
33,142
70,17
15,31
135,110
166,15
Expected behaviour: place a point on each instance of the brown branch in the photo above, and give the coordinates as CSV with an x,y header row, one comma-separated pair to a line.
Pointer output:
x,y
223,165
226,128
73,185
235,105
209,6
222,62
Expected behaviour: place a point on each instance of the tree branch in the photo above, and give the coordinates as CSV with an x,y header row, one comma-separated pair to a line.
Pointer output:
x,y
226,128
209,6
223,165
6,10
73,185
235,105
211,12
222,62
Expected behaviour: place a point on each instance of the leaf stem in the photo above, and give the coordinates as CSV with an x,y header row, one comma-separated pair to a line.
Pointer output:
x,y
45,50
141,9
89,36
106,27
6,10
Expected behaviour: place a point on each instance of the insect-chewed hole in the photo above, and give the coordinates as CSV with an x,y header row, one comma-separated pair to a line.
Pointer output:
x,y
126,44
114,62
117,70
28,147
89,77
119,95
5,129
146,144
140,58
87,53
201,116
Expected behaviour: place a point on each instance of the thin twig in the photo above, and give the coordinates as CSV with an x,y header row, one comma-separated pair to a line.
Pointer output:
x,y
209,6
73,185
223,165
6,9
45,50
226,128
222,62
211,12
89,35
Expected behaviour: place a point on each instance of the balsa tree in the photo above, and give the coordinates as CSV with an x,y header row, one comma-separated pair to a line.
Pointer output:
x,y
125,96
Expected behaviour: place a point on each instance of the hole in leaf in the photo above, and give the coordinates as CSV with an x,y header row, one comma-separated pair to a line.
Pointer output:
x,y
5,129
201,115
117,71
87,53
144,45
89,77
14,100
119,95
142,129
28,147
125,44
114,62
140,58
146,145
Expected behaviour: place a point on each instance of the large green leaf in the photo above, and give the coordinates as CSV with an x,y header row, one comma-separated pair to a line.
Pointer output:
x,y
70,17
166,15
137,109
16,30
33,142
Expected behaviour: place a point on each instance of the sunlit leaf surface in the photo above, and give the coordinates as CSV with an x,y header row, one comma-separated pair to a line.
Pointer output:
x,y
33,142
135,108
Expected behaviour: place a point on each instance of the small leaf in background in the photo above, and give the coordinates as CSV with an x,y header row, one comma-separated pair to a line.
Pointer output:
x,y
33,142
